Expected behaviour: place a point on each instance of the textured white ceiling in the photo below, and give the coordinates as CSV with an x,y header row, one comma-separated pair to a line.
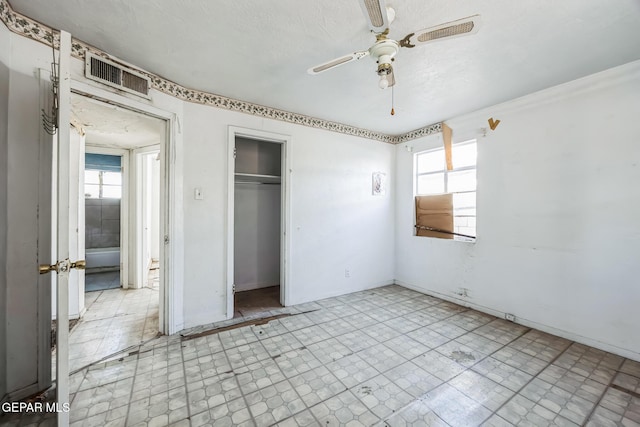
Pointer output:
x,y
110,126
259,51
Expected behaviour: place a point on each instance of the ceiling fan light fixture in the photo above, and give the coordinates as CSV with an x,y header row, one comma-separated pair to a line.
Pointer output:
x,y
384,71
379,15
384,68
384,82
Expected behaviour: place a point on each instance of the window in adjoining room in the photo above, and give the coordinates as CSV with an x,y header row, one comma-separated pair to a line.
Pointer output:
x,y
446,199
102,177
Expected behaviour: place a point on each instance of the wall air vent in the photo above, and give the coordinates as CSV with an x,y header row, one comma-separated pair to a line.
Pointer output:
x,y
115,75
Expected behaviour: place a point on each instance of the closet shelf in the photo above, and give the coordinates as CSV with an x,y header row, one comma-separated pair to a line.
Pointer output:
x,y
257,178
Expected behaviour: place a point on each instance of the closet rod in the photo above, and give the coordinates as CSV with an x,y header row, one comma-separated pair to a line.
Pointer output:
x,y
257,183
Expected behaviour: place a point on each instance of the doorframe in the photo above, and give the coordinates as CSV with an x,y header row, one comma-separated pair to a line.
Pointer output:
x,y
285,206
171,315
124,206
138,206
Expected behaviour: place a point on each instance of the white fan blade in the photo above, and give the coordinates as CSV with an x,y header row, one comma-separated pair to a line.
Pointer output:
x,y
449,30
376,13
337,62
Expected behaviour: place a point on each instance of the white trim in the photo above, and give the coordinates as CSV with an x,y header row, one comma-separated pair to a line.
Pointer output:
x,y
171,314
285,140
526,322
140,267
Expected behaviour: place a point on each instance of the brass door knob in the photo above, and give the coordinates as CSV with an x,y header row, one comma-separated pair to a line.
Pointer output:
x,y
62,266
80,265
45,268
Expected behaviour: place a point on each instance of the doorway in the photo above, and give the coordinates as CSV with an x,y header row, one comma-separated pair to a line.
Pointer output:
x,y
257,218
103,185
120,202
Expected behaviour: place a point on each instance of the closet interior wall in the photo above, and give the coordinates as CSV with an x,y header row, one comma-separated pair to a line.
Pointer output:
x,y
257,216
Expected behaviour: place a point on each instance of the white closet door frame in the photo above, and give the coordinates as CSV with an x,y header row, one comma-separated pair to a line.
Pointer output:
x,y
285,201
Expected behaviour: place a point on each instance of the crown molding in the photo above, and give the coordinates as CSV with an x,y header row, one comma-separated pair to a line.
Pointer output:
x,y
27,27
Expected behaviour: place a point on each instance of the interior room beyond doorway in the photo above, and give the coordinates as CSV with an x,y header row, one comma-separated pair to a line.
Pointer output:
x,y
121,201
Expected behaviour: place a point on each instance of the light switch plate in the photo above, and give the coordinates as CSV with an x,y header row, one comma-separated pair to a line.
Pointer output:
x,y
197,194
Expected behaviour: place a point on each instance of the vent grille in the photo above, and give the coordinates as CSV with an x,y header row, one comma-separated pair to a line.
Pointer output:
x,y
136,83
115,75
104,71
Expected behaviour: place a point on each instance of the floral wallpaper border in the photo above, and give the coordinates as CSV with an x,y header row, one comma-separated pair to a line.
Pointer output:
x,y
32,29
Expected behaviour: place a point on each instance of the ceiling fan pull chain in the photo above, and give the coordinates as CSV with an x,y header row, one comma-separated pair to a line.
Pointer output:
x,y
393,111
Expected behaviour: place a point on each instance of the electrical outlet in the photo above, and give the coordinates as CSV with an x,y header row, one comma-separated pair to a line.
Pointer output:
x,y
510,317
463,292
347,273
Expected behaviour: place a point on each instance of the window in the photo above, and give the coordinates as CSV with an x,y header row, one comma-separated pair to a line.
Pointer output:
x,y
102,177
433,178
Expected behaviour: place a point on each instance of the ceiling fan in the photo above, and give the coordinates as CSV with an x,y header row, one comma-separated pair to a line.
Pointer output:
x,y
379,17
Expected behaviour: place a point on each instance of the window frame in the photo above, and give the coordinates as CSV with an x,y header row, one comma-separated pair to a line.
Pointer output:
x,y
417,174
101,184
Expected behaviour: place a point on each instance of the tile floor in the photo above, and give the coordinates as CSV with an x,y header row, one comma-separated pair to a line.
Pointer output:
x,y
115,320
99,281
387,356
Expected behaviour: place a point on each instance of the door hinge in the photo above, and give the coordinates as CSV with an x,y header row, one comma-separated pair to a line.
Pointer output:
x,y
233,288
166,240
234,152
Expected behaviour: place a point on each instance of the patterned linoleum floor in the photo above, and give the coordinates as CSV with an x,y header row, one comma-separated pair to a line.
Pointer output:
x,y
387,356
115,320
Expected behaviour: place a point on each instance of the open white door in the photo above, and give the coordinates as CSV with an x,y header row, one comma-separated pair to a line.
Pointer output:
x,y
63,227
64,265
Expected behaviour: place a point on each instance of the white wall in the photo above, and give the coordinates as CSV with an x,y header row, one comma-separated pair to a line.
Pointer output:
x,y
256,236
336,223
24,293
558,213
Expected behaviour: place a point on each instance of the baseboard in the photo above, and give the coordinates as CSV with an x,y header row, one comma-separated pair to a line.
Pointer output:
x,y
22,393
201,320
629,354
339,293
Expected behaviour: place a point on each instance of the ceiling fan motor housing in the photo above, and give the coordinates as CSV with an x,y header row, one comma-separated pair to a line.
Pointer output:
x,y
383,52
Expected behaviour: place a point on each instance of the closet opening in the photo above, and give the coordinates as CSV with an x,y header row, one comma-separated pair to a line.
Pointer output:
x,y
258,226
